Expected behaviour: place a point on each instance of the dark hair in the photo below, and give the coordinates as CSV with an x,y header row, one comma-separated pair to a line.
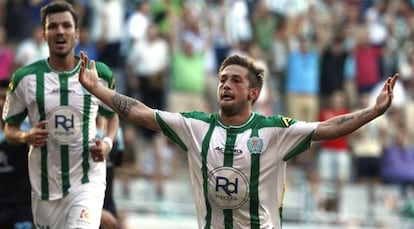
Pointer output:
x,y
256,73
58,7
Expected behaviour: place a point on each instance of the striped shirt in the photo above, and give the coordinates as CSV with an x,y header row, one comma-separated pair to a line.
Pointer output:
x,y
237,172
42,93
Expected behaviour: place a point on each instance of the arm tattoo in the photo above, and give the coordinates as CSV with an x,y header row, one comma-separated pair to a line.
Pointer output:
x,y
363,114
344,119
123,103
347,118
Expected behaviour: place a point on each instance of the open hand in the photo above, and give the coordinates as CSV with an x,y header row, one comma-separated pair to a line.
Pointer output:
x,y
88,77
386,95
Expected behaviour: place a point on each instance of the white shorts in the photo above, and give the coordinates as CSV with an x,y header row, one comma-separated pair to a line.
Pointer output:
x,y
334,165
81,209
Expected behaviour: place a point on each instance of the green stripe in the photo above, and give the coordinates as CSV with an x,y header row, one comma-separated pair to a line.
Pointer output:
x,y
254,186
64,149
302,146
228,162
40,99
204,172
167,131
64,160
85,132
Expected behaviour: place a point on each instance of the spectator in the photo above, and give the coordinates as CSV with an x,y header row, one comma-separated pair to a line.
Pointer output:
x,y
398,162
148,76
188,72
86,44
302,84
6,56
107,31
367,59
138,22
31,49
332,70
334,161
15,205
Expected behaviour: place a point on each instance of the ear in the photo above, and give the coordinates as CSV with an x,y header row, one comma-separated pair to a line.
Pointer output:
x,y
254,93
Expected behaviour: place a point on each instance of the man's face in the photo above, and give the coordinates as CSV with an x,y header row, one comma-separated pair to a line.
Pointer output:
x,y
233,92
60,34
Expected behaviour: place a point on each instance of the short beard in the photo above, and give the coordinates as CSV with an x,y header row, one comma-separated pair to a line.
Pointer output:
x,y
228,110
61,54
233,109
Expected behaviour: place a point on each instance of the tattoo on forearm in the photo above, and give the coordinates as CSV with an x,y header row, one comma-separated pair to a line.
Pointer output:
x,y
344,119
363,114
348,118
123,103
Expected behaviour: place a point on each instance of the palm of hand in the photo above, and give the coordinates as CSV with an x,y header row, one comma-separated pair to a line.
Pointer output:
x,y
385,97
88,77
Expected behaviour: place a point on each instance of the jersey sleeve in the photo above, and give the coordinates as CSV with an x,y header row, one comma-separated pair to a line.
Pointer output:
x,y
172,126
14,111
186,129
296,138
106,77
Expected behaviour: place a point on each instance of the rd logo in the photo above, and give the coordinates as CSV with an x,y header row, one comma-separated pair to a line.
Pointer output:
x,y
228,187
64,124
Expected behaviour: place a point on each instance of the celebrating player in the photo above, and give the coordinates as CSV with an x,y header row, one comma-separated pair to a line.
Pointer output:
x,y
237,157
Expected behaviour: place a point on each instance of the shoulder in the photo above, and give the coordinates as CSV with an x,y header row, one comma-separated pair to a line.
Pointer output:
x,y
105,73
199,115
274,121
31,69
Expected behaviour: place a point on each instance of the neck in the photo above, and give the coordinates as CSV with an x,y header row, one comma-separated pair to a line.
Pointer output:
x,y
63,63
235,119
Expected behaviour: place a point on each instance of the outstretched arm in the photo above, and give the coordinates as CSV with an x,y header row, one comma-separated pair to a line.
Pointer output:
x,y
345,124
132,110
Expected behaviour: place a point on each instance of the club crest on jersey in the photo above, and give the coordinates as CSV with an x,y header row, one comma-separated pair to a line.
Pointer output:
x,y
64,124
255,145
228,187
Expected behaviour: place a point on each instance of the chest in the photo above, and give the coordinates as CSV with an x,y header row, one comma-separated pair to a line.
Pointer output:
x,y
53,90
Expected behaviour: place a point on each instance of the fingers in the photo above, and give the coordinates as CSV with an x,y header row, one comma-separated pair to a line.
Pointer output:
x,y
390,83
84,59
93,65
38,134
97,151
42,124
394,79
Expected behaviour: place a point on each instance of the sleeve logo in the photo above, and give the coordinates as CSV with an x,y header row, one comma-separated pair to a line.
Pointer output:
x,y
11,86
286,121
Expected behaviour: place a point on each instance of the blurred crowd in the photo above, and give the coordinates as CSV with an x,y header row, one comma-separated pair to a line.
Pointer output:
x,y
322,57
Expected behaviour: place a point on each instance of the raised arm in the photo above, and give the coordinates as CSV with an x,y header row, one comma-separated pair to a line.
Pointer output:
x,y
345,124
132,110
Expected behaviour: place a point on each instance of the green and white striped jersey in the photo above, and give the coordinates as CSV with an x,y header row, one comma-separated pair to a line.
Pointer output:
x,y
42,93
237,172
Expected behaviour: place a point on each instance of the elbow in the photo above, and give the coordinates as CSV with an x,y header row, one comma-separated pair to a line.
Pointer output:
x,y
327,133
13,137
9,138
